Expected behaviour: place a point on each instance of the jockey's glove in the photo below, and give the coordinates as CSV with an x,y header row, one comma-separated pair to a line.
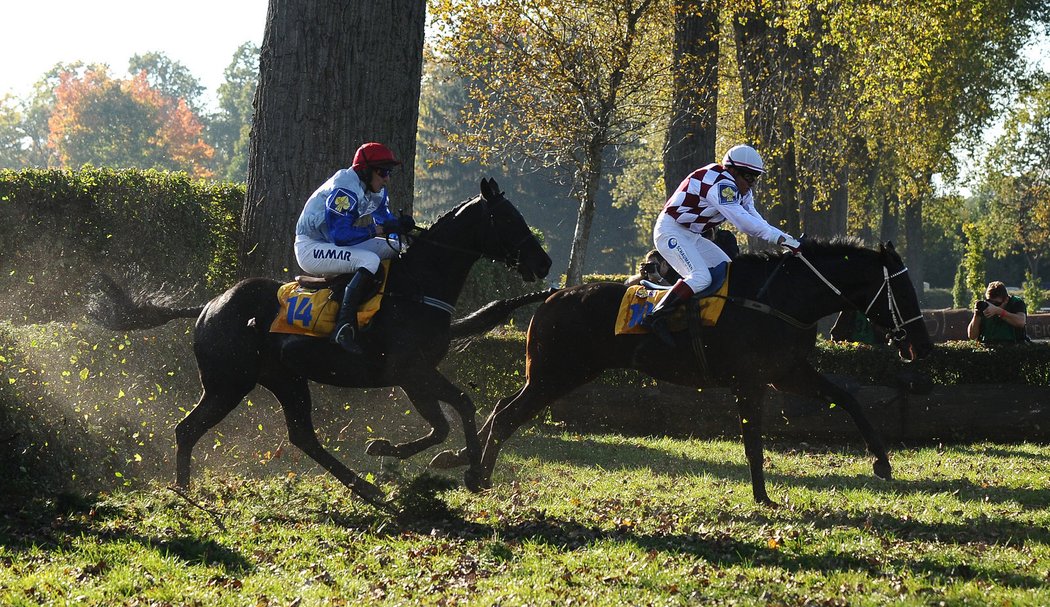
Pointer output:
x,y
406,224
790,243
391,226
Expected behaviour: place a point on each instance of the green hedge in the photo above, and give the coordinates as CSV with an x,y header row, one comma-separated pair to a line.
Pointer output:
x,y
59,226
954,362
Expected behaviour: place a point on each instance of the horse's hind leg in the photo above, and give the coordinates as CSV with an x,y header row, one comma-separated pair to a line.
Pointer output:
x,y
213,407
749,406
293,393
806,381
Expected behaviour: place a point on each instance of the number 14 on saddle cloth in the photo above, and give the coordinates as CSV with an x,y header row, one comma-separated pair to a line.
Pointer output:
x,y
313,311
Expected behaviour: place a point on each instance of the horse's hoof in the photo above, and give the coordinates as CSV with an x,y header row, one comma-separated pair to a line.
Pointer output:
x,y
448,459
368,492
762,498
475,482
379,446
883,470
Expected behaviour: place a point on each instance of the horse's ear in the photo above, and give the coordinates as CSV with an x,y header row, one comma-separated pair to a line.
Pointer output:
x,y
486,188
889,246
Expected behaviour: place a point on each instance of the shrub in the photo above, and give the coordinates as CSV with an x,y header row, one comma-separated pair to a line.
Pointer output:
x,y
61,226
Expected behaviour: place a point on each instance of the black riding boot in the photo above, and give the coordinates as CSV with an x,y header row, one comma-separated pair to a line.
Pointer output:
x,y
346,322
656,321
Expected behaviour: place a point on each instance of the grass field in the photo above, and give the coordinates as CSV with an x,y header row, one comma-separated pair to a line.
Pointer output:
x,y
595,520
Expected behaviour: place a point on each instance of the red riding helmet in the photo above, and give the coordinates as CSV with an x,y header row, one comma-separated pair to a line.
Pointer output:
x,y
374,155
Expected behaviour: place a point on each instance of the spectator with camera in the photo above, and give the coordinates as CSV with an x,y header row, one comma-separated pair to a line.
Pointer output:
x,y
999,317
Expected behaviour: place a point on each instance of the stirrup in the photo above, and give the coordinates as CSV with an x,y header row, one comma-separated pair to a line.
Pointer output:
x,y
345,338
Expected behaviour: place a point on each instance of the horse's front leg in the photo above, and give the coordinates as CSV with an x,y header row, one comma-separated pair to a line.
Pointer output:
x,y
749,406
455,458
804,380
425,394
426,404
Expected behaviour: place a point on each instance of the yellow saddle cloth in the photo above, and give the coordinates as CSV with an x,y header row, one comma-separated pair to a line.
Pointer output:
x,y
313,311
639,301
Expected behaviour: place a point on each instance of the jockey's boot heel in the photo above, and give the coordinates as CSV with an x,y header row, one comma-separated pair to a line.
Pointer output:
x,y
346,321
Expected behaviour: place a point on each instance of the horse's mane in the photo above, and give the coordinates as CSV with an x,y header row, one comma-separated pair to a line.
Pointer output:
x,y
839,246
452,213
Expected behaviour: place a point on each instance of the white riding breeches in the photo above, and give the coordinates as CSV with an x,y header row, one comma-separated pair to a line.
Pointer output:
x,y
326,259
689,253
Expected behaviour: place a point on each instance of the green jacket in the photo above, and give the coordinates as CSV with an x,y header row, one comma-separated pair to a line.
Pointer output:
x,y
996,330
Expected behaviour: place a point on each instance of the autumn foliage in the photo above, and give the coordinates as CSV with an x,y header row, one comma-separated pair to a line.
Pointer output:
x,y
124,123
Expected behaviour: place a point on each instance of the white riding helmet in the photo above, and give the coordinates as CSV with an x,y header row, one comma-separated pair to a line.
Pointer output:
x,y
745,157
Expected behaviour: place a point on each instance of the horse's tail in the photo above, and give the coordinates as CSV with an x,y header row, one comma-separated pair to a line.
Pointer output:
x,y
114,308
490,315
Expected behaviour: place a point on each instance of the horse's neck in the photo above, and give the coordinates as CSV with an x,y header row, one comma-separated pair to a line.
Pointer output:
x,y
800,293
437,269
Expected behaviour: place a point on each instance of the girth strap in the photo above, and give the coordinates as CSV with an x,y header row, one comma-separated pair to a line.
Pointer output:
x,y
433,302
757,306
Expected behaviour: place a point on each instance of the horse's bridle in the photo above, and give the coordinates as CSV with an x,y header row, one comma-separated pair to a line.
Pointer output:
x,y
898,333
511,254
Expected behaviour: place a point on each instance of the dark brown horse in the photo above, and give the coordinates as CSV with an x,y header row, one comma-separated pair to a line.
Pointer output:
x,y
403,345
760,340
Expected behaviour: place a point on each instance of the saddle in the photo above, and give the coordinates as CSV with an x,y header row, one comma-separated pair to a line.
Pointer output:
x,y
310,304
719,274
639,300
338,283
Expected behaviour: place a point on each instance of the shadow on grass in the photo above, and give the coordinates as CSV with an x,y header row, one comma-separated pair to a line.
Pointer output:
x,y
718,548
54,522
590,453
982,449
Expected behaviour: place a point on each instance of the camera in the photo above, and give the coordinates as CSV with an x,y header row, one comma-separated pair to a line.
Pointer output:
x,y
981,305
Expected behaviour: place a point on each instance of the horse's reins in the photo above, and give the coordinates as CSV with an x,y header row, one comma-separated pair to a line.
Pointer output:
x,y
898,319
899,323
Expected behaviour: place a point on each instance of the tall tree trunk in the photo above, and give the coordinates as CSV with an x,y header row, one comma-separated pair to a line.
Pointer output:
x,y
588,195
691,131
762,54
915,249
827,217
889,225
333,75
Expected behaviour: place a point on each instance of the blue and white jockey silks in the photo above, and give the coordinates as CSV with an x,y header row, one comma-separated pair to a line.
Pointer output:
x,y
708,197
328,237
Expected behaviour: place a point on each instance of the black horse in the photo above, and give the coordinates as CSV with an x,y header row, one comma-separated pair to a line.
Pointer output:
x,y
766,331
403,345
